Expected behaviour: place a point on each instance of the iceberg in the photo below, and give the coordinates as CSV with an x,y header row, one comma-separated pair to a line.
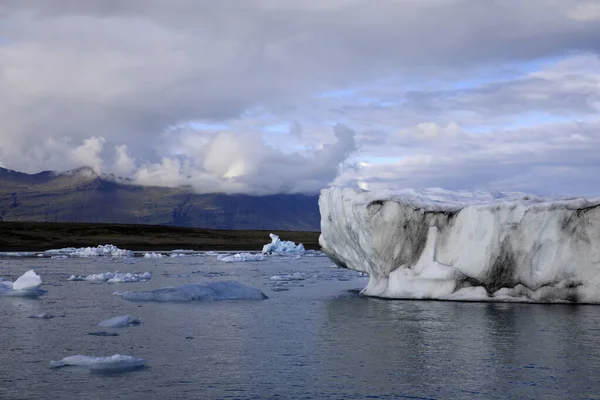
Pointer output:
x,y
282,248
122,321
107,250
469,246
114,363
240,257
153,255
211,291
288,278
112,277
27,285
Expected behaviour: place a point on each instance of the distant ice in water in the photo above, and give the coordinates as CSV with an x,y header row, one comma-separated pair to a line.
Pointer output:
x,y
283,248
107,250
27,285
45,316
121,321
211,291
240,257
153,255
286,278
113,277
114,363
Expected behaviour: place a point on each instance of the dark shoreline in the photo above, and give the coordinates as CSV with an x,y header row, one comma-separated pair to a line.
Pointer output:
x,y
39,236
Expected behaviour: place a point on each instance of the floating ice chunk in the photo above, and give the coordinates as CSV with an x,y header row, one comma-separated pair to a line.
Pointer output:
x,y
112,277
27,285
211,291
114,363
240,257
153,255
282,248
17,254
28,281
458,245
107,250
121,321
286,278
103,333
45,316
211,253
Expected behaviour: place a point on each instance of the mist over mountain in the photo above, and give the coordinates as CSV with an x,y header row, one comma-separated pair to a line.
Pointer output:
x,y
82,195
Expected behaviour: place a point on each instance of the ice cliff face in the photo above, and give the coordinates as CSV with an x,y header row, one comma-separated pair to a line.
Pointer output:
x,y
437,244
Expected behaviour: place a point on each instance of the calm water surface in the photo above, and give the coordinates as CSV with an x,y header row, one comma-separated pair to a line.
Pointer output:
x,y
317,340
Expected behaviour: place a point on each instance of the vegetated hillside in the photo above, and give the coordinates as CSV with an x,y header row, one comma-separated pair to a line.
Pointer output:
x,y
37,236
83,196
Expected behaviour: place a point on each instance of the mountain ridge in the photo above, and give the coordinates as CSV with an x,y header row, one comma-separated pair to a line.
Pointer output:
x,y
82,195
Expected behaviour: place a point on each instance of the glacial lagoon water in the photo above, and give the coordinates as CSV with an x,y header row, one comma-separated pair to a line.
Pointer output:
x,y
314,338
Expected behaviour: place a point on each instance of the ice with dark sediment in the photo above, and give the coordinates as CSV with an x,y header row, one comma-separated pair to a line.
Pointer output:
x,y
465,245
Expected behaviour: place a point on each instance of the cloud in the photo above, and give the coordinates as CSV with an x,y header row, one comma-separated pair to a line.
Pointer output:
x,y
181,92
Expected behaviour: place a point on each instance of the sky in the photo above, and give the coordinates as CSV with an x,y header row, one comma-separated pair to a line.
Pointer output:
x,y
290,96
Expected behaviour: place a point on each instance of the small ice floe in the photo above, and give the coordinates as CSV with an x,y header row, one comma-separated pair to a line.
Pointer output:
x,y
153,255
211,253
240,257
107,250
113,277
17,254
297,276
114,363
103,334
283,248
121,321
210,291
45,316
27,285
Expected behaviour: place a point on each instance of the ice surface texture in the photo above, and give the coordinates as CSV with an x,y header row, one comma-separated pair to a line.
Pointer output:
x,y
114,363
458,245
211,291
27,285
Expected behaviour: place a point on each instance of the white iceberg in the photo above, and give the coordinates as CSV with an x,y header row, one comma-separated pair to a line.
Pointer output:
x,y
458,245
282,248
211,291
27,285
240,257
114,363
113,277
153,255
120,321
288,278
107,250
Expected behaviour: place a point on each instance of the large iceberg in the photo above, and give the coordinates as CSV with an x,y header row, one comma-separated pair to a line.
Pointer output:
x,y
211,291
114,363
27,285
458,245
284,248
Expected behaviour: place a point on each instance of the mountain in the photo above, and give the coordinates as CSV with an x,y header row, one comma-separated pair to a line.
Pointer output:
x,y
81,195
